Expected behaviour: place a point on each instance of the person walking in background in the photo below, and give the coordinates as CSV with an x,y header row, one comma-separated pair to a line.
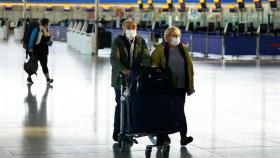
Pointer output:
x,y
38,45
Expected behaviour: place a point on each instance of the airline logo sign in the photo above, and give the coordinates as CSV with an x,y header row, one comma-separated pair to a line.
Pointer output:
x,y
275,45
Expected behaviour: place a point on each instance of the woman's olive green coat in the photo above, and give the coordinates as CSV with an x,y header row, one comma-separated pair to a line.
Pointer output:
x,y
159,60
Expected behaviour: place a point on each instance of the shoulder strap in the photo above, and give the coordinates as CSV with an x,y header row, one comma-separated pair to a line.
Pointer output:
x,y
182,52
166,54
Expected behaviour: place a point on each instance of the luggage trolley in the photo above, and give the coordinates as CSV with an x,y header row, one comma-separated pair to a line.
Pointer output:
x,y
133,125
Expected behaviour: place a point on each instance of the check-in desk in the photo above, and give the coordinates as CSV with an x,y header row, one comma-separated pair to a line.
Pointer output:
x,y
76,35
88,40
4,28
18,30
79,36
70,32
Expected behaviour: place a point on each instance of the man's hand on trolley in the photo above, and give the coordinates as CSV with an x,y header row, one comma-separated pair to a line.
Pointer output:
x,y
126,72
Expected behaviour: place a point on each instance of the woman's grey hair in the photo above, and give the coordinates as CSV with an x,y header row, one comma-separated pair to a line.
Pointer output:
x,y
126,21
169,30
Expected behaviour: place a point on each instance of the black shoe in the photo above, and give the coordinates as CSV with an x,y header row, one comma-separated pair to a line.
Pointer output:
x,y
186,140
49,81
116,136
29,80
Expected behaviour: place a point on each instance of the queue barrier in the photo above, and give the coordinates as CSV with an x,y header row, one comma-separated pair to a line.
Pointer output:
x,y
269,45
240,45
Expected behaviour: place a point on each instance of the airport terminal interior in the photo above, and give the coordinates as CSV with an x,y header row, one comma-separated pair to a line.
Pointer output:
x,y
235,49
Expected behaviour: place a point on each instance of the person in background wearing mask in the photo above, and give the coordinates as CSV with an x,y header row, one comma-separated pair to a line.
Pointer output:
x,y
129,51
39,43
175,55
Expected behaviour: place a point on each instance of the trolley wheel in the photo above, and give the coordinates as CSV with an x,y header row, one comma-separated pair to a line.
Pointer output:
x,y
148,152
165,152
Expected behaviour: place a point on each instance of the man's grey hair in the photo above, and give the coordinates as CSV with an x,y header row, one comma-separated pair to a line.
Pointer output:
x,y
126,21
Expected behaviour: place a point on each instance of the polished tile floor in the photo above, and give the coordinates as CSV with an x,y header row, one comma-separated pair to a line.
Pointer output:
x,y
234,112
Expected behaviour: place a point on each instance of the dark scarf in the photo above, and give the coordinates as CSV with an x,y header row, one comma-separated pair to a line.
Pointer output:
x,y
183,54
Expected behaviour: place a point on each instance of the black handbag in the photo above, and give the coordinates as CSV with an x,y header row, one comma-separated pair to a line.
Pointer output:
x,y
31,66
153,80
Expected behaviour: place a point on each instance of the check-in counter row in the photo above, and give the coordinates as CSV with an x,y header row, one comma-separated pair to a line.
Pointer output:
x,y
202,43
4,29
81,37
18,30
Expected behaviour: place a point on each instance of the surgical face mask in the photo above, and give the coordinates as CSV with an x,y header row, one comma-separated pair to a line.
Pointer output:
x,y
130,34
175,41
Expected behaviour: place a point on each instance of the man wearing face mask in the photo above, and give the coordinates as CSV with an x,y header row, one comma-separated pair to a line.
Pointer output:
x,y
174,55
129,51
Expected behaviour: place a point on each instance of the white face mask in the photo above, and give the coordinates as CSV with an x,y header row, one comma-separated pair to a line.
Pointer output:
x,y
175,41
130,34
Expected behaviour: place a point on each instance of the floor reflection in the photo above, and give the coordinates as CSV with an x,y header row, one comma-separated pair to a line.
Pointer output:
x,y
119,154
35,134
184,153
234,112
36,116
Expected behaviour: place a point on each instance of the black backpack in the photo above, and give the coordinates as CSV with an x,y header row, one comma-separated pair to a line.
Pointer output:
x,y
31,66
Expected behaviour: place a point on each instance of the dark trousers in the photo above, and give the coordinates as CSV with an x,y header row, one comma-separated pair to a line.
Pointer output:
x,y
43,59
181,94
117,110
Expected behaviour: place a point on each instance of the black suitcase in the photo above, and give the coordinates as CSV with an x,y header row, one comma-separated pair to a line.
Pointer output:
x,y
153,114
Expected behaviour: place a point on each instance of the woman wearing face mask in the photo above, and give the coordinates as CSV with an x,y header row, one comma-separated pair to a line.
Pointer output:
x,y
174,55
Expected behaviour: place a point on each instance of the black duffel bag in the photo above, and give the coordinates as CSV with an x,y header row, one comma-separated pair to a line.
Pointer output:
x,y
31,66
153,80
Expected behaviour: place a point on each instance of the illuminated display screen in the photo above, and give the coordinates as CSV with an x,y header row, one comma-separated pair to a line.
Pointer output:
x,y
9,8
128,9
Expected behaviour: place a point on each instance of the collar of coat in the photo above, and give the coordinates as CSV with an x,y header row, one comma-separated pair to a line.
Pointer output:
x,y
137,45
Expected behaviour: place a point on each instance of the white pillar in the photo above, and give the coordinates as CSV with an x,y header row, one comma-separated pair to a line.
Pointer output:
x,y
118,22
170,19
24,9
96,25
